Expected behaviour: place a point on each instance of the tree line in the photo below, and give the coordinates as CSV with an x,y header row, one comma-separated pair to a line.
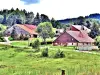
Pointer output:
x,y
16,16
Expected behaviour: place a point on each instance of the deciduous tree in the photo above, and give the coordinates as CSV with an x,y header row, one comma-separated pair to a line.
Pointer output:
x,y
45,29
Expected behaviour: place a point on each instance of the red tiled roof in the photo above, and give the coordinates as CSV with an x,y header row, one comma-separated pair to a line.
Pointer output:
x,y
31,26
27,28
81,36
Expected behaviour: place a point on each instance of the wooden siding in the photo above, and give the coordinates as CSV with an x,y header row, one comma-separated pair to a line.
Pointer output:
x,y
65,38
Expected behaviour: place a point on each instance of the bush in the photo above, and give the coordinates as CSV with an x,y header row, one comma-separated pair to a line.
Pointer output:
x,y
10,38
45,53
1,39
21,37
26,38
59,54
30,44
49,42
36,45
97,44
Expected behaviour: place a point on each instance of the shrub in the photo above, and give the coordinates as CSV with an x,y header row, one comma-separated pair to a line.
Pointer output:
x,y
36,45
30,44
59,54
21,37
1,39
48,42
45,53
10,38
97,44
26,38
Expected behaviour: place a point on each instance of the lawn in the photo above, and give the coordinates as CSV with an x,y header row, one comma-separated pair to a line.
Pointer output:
x,y
23,61
25,43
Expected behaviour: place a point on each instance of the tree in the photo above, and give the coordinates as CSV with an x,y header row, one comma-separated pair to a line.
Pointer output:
x,y
4,20
29,18
88,24
17,9
45,29
94,31
81,20
37,19
37,16
53,21
12,9
44,18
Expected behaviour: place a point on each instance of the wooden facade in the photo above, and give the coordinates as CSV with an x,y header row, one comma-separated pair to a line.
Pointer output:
x,y
65,39
77,38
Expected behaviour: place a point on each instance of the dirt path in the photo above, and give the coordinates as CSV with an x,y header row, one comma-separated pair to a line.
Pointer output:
x,y
7,42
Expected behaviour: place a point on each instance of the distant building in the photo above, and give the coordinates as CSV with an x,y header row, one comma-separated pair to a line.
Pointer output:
x,y
79,27
26,30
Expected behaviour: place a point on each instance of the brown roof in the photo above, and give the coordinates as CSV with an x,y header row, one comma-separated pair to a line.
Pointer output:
x,y
81,36
27,28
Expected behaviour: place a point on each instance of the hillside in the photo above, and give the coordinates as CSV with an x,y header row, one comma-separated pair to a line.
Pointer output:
x,y
95,17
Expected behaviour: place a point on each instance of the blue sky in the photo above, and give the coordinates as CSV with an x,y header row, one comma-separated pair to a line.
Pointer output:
x,y
31,1
59,9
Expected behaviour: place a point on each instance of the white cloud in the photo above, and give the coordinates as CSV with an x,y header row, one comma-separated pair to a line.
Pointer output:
x,y
8,4
59,9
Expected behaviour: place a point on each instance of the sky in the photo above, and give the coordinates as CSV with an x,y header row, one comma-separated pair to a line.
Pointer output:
x,y
58,9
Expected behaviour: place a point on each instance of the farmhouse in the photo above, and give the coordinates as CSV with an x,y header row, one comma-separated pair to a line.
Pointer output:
x,y
26,30
74,38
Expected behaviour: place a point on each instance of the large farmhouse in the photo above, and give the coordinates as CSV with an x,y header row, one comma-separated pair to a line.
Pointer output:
x,y
74,36
26,30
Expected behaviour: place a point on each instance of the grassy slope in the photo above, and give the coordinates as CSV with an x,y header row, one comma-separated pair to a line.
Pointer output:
x,y
27,62
25,43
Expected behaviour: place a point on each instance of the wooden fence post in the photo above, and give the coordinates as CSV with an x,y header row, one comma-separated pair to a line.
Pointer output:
x,y
63,72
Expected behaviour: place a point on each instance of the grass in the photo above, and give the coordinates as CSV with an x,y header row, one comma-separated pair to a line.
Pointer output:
x,y
22,61
25,43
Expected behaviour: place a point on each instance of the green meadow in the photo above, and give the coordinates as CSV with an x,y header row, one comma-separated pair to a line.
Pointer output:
x,y
25,61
